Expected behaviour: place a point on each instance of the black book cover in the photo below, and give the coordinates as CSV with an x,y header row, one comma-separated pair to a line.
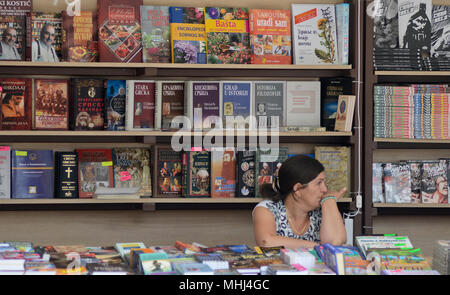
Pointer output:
x,y
66,175
88,104
331,89
245,174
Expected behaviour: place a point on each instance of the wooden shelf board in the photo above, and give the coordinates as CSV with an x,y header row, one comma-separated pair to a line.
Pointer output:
x,y
407,140
395,205
412,73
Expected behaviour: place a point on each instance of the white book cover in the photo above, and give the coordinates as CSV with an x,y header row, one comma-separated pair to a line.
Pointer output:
x,y
314,34
303,103
5,172
414,23
236,101
140,105
203,104
270,101
343,27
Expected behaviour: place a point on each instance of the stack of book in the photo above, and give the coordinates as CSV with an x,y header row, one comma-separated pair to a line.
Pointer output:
x,y
441,257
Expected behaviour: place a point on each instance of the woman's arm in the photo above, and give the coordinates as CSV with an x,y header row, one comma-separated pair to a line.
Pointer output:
x,y
332,229
266,233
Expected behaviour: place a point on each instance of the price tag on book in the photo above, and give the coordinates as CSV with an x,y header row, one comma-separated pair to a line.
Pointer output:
x,y
124,173
4,148
107,164
125,178
22,153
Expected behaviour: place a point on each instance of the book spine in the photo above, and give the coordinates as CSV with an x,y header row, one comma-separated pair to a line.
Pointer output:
x,y
29,38
158,105
5,174
188,104
342,23
185,178
129,114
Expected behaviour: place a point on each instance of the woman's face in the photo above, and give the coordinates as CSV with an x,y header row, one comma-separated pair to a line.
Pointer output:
x,y
312,193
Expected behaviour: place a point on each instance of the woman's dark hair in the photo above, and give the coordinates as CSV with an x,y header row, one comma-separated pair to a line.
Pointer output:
x,y
298,169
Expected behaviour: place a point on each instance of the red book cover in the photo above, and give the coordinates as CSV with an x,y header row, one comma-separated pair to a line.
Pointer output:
x,y
95,170
16,104
270,36
140,113
119,30
50,104
80,38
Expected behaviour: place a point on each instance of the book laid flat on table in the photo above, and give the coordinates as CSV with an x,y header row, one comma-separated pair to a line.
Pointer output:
x,y
140,105
51,104
155,34
365,243
16,98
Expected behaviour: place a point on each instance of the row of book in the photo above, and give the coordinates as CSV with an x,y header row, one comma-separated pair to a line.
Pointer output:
x,y
99,104
320,34
411,35
419,111
127,172
385,255
411,182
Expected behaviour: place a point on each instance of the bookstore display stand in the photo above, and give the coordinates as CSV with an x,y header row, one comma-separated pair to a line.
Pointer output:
x,y
381,146
69,140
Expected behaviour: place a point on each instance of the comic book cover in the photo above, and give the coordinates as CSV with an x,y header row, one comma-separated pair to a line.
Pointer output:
x,y
397,182
434,182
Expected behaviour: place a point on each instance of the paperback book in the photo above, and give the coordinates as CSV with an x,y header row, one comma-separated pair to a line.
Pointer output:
x,y
385,24
115,104
377,183
440,30
414,24
170,104
168,171
45,43
79,37
223,173
267,164
303,103
155,34
51,104
16,96
416,181
140,105
87,109
236,101
203,104
95,169
245,186
434,182
397,182
196,174
270,101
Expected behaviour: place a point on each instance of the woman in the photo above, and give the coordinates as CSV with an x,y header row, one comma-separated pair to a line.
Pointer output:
x,y
302,213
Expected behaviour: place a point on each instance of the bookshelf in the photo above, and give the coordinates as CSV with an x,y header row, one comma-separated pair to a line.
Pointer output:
x,y
64,140
395,149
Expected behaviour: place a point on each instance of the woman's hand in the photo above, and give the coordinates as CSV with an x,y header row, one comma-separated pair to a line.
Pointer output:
x,y
338,195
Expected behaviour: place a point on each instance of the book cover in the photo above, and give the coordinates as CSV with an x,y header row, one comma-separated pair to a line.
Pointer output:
x,y
95,169
227,35
170,104
193,268
415,168
196,174
51,104
270,36
168,171
303,103
345,111
80,37
46,37
314,34
203,104
32,174
223,173
115,102
119,31
440,30
140,105
334,259
88,104
236,102
16,95
365,243
245,162
377,183
414,24
5,172
132,169
385,24
434,187
66,175
343,31
330,90
270,101
187,35
267,164
13,29
155,34
397,182
401,259
336,161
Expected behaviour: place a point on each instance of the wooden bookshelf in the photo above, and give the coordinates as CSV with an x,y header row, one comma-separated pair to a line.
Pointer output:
x,y
412,73
421,205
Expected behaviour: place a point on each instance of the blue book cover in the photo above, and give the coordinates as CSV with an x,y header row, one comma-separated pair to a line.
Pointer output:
x,y
236,102
32,174
334,258
115,104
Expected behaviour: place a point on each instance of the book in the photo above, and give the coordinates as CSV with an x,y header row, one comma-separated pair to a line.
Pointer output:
x,y
5,172
125,248
13,27
415,168
193,268
303,103
87,108
269,103
132,169
189,47
434,187
236,104
440,28
95,169
106,269
168,171
115,104
79,37
32,174
119,31
314,38
397,182
223,173
330,90
385,24
51,104
203,104
377,183
286,269
140,105
227,35
270,36
336,161
66,175
267,164
196,174
16,95
170,103
364,243
343,31
400,259
354,263
155,34
414,24
345,111
46,37
334,259
39,268
245,163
